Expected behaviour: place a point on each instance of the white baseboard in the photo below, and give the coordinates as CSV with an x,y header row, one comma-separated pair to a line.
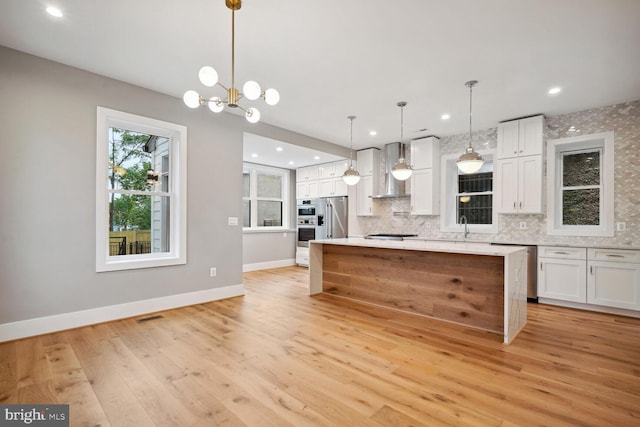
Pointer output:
x,y
590,307
268,264
60,322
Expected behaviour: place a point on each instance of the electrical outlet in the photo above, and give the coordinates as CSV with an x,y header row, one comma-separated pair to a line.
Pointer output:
x,y
284,235
523,225
233,220
621,226
427,225
212,272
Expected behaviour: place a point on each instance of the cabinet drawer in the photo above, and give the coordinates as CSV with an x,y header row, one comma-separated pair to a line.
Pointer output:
x,y
562,252
615,255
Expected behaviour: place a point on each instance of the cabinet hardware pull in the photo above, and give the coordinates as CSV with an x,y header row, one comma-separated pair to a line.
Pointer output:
x,y
514,205
540,266
561,253
591,269
615,256
520,205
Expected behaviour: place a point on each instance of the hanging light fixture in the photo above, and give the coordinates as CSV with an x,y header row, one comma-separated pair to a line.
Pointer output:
x,y
401,170
351,175
250,90
470,161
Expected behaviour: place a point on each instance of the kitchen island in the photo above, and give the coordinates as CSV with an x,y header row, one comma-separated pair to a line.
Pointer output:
x,y
477,285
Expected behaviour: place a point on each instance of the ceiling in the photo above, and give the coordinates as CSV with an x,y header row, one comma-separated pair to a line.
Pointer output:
x,y
267,151
330,59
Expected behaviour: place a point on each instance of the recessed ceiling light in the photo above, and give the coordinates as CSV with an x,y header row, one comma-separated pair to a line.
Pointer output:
x,y
254,155
316,157
555,90
54,11
291,162
445,116
278,148
373,133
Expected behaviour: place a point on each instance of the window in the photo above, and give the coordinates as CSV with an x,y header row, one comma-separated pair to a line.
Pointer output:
x,y
265,196
580,185
468,195
140,192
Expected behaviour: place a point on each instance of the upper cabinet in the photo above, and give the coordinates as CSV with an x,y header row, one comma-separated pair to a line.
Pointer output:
x,y
523,137
333,169
369,185
425,180
309,173
519,168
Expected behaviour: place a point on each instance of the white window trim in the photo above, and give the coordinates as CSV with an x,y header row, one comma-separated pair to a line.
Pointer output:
x,y
555,147
253,169
448,192
107,118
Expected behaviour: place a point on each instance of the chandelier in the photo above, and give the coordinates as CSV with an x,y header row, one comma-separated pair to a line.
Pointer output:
x,y
470,161
250,90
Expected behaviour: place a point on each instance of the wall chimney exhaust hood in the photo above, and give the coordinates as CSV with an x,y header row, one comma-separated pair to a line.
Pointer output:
x,y
393,189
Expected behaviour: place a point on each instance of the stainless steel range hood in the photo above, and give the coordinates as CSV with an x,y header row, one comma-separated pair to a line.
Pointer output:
x,y
393,188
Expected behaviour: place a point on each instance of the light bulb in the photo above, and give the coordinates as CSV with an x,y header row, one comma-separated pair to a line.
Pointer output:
x,y
216,105
251,90
271,96
208,76
252,115
191,99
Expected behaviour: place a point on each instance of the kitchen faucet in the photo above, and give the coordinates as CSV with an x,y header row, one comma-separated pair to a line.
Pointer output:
x,y
463,220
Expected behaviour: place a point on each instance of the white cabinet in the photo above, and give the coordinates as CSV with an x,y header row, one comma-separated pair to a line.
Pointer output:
x,y
519,168
332,187
523,137
306,189
369,185
519,185
562,273
425,180
368,161
333,169
613,279
309,173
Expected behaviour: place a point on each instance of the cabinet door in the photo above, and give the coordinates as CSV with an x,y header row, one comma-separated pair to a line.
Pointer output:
x,y
326,171
364,189
422,197
339,187
508,139
507,188
614,284
530,136
306,189
530,184
325,188
366,161
308,173
424,152
340,167
562,279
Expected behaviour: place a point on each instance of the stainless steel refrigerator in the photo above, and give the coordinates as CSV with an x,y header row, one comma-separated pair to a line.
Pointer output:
x,y
332,217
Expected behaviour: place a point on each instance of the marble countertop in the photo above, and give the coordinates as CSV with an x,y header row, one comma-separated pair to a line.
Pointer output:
x,y
462,247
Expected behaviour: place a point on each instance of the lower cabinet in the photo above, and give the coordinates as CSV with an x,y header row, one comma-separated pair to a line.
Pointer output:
x,y
562,273
603,277
614,278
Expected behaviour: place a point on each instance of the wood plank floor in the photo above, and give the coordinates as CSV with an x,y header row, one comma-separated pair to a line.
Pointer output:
x,y
278,357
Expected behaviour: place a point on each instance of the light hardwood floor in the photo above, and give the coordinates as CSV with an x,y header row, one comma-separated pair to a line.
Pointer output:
x,y
278,357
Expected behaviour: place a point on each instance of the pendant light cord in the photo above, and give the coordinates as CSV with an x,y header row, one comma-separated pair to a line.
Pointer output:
x,y
233,47
351,141
470,113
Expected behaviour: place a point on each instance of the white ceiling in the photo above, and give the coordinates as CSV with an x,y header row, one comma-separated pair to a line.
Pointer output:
x,y
330,59
267,151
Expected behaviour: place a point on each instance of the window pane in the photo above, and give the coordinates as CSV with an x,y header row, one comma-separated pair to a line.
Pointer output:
x,y
139,224
269,213
581,207
581,169
246,213
474,183
269,186
477,209
246,184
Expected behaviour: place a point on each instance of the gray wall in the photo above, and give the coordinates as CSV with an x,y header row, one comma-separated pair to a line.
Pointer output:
x,y
47,169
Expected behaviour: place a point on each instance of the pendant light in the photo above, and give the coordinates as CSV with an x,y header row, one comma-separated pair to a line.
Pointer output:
x,y
470,161
351,175
251,90
401,170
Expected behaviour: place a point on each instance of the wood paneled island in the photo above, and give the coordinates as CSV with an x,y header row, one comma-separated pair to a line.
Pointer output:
x,y
476,285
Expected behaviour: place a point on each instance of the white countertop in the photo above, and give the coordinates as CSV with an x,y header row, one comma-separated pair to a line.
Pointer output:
x,y
473,248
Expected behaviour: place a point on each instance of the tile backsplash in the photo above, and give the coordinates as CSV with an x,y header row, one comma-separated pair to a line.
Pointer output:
x,y
624,119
